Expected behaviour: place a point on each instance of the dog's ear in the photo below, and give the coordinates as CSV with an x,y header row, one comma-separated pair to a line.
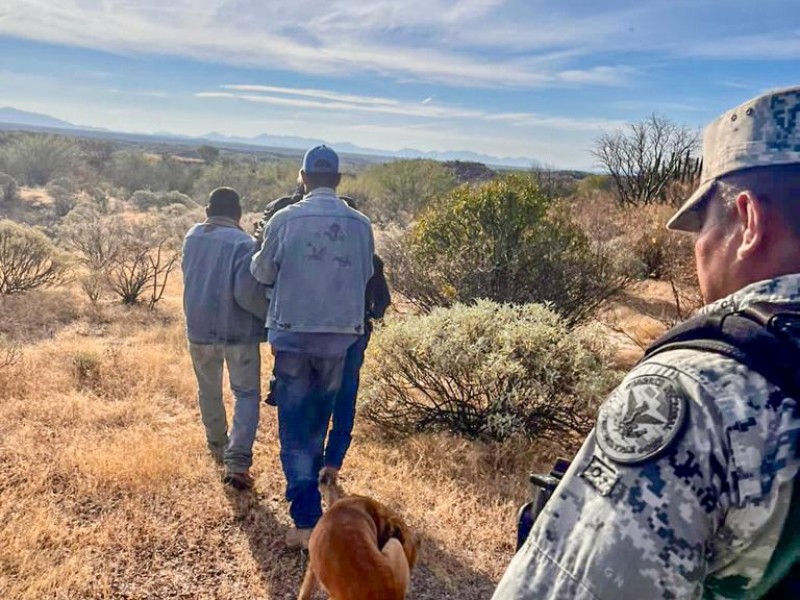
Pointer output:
x,y
328,480
327,477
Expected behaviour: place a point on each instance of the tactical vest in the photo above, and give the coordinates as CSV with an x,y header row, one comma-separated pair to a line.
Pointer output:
x,y
765,337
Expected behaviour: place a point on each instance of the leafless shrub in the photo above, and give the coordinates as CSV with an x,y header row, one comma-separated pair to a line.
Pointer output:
x,y
142,264
647,158
9,353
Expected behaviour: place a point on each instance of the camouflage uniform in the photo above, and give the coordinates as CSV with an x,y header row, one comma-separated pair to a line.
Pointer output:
x,y
684,487
705,516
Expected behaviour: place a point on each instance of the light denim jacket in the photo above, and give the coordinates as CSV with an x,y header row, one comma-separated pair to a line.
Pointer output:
x,y
222,301
318,255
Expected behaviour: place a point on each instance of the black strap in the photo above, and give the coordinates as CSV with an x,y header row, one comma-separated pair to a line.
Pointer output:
x,y
764,337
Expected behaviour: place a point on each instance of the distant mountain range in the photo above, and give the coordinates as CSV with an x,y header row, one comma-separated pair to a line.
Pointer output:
x,y
13,116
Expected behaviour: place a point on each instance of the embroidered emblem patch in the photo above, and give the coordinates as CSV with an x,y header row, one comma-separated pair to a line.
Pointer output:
x,y
641,420
600,475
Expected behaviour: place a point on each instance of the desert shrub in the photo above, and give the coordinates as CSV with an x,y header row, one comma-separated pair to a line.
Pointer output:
x,y
28,259
100,198
135,170
592,184
505,241
410,276
144,259
36,159
552,182
145,199
647,158
398,190
8,188
486,371
658,253
258,183
64,200
86,368
131,259
93,237
9,353
98,153
208,153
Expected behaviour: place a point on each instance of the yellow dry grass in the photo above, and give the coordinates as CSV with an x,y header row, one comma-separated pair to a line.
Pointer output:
x,y
106,490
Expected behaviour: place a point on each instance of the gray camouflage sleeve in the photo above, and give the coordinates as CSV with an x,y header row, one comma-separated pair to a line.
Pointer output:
x,y
635,513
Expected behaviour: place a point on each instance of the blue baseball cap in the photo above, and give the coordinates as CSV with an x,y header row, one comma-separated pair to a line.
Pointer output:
x,y
321,159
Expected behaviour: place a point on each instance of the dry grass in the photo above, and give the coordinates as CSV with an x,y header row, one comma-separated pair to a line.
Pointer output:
x,y
107,491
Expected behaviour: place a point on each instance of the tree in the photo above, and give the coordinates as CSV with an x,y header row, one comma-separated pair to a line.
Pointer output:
x,y
647,157
28,259
208,153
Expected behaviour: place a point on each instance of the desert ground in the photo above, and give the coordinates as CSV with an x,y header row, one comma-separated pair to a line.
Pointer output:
x,y
107,490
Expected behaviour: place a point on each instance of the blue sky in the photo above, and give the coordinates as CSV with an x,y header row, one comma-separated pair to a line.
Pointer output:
x,y
529,78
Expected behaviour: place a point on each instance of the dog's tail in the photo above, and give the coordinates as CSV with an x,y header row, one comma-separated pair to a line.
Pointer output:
x,y
329,485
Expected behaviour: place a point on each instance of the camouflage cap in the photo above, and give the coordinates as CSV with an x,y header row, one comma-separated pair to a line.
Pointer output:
x,y
762,132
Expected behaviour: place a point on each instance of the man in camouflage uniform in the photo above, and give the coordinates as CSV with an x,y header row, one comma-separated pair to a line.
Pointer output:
x,y
685,486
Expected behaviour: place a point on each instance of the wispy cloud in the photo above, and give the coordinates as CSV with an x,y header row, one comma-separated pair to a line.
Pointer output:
x,y
658,106
399,38
141,93
333,101
313,93
767,46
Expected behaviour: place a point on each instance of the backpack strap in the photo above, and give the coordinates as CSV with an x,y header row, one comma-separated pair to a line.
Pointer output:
x,y
765,337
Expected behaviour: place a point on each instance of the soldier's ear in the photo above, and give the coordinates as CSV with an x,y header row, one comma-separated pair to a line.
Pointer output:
x,y
752,219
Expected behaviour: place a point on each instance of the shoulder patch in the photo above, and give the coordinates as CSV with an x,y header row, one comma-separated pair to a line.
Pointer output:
x,y
641,419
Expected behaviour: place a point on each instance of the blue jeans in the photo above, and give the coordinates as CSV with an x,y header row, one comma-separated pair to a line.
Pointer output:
x,y
244,372
305,391
344,410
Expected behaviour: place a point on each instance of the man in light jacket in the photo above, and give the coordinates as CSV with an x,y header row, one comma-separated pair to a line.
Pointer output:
x,y
225,309
317,253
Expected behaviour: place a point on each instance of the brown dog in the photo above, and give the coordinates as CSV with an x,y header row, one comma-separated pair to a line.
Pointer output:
x,y
359,550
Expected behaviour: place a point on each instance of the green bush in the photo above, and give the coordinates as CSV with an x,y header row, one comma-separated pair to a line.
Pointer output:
x,y
395,192
64,200
258,183
36,159
486,371
28,259
8,188
135,170
505,241
145,199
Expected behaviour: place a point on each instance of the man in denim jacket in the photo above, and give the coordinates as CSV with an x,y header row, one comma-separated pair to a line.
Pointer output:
x,y
317,253
225,310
